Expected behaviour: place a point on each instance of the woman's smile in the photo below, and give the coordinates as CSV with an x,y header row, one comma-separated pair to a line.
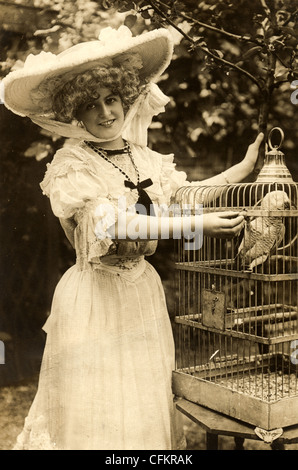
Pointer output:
x,y
107,123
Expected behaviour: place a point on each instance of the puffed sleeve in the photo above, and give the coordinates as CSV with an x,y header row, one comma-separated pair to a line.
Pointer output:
x,y
171,179
70,181
70,192
76,192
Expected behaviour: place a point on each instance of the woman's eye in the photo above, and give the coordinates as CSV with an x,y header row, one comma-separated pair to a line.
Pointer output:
x,y
111,100
90,106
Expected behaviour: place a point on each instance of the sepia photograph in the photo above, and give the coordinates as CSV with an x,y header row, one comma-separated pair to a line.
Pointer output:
x,y
149,227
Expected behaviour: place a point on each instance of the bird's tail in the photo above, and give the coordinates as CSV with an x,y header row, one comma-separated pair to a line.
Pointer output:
x,y
289,244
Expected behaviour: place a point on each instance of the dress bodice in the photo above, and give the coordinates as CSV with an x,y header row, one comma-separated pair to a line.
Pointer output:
x,y
88,193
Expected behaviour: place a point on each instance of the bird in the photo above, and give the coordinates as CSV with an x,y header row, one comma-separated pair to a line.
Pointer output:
x,y
263,234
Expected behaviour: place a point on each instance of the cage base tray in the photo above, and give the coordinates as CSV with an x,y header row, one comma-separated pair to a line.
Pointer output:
x,y
216,395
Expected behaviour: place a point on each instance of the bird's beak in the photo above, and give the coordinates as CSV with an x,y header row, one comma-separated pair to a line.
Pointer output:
x,y
288,205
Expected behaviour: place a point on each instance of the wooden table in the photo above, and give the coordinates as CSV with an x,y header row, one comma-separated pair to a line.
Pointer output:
x,y
216,424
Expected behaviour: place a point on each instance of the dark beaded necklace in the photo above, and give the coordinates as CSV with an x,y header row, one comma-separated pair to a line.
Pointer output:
x,y
144,200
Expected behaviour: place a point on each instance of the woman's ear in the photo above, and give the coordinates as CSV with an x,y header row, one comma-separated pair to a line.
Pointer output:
x,y
80,123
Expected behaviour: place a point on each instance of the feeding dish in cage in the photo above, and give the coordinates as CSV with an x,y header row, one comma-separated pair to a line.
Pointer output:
x,y
214,309
243,307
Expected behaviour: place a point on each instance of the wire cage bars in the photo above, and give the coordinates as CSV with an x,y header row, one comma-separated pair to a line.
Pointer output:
x,y
236,325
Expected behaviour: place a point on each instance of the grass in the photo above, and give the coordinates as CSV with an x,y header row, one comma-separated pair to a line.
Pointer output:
x,y
16,400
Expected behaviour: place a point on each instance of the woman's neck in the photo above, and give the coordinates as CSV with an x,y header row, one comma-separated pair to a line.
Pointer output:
x,y
110,145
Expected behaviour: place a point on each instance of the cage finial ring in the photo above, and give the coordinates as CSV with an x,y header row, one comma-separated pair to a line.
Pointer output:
x,y
276,147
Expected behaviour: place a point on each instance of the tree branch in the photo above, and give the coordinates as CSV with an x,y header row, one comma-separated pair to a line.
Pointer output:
x,y
291,17
238,37
265,7
207,51
271,70
281,61
234,66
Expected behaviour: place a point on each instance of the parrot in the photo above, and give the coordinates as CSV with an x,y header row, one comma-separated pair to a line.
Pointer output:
x,y
263,234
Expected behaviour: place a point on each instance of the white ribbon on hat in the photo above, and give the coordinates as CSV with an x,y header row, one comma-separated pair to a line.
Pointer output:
x,y
150,103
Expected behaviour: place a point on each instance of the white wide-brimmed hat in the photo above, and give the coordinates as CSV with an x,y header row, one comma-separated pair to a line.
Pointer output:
x,y
28,91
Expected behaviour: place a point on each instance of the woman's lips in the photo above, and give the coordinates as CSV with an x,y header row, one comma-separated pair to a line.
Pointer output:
x,y
107,123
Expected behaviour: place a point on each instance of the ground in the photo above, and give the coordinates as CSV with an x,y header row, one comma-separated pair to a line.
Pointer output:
x,y
16,400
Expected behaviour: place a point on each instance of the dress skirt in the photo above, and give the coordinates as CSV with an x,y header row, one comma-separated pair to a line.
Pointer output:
x,y
105,380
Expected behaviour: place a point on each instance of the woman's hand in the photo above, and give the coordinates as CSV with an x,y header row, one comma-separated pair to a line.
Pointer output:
x,y
251,156
238,172
226,224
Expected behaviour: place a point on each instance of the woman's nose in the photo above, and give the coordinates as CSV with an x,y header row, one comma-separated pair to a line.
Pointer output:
x,y
104,110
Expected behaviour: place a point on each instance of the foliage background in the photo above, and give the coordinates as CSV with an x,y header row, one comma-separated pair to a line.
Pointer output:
x,y
212,117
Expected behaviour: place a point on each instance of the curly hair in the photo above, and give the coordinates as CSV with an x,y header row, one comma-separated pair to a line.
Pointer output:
x,y
120,80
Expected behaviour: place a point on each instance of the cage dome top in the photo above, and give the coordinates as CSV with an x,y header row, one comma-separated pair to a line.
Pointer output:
x,y
274,168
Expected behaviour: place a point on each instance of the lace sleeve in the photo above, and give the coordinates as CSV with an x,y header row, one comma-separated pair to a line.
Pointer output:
x,y
94,235
78,194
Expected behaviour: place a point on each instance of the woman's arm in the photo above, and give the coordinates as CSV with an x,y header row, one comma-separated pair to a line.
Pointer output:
x,y
219,225
134,227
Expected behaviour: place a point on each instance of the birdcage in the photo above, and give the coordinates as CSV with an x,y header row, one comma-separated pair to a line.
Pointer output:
x,y
236,326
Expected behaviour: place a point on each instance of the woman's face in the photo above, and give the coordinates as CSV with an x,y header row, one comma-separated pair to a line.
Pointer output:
x,y
103,117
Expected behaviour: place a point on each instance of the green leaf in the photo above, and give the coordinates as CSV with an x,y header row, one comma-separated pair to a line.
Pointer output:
x,y
124,8
217,52
130,5
251,52
107,4
146,14
39,150
289,31
281,71
142,4
130,21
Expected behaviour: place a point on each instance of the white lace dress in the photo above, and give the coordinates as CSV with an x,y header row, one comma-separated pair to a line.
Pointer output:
x,y
105,380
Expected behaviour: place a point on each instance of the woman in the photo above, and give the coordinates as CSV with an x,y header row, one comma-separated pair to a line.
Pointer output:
x,y
105,381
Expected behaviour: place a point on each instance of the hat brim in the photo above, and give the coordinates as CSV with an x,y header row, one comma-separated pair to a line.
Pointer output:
x,y
155,49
